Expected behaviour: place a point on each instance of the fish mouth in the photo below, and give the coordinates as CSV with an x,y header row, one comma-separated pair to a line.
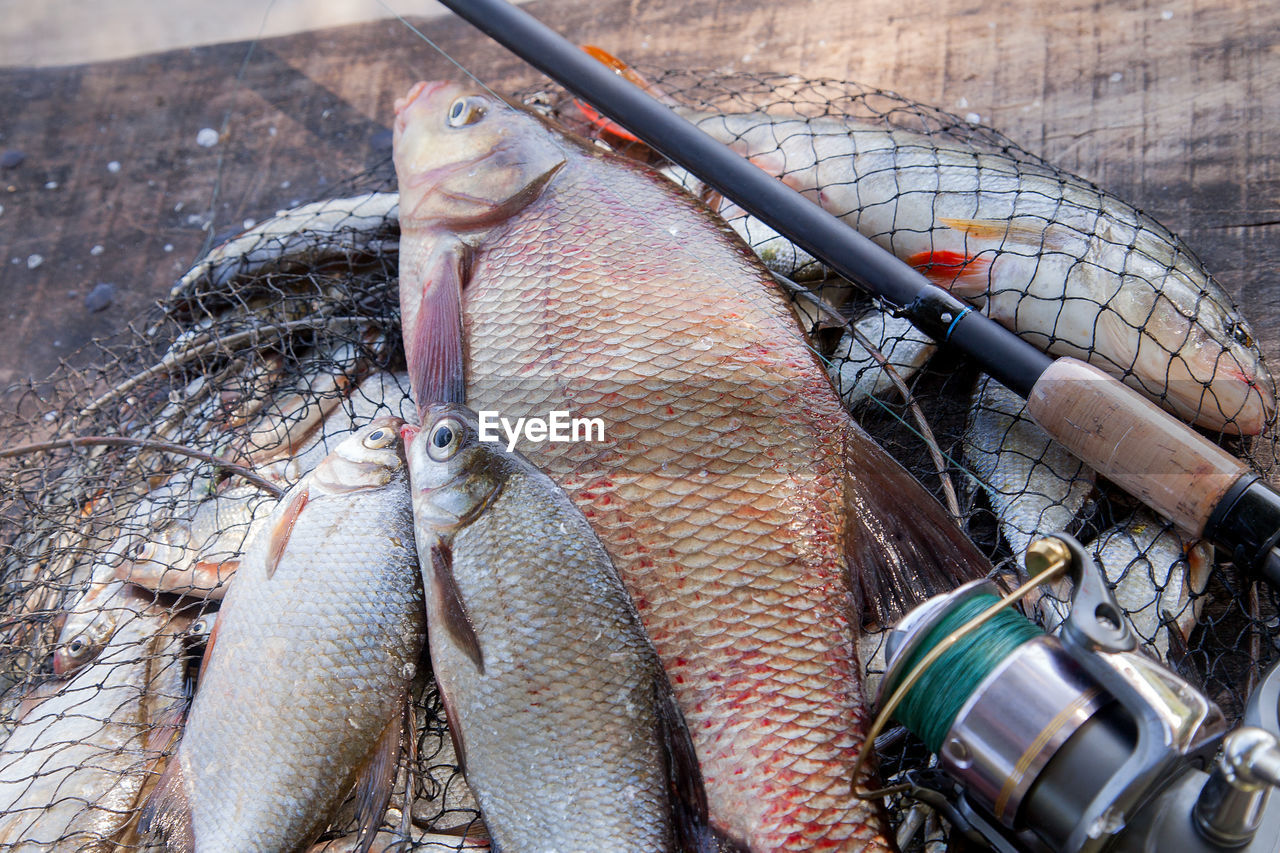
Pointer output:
x,y
1235,400
423,88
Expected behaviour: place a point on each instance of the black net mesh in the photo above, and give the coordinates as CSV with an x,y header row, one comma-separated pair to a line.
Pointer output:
x,y
113,556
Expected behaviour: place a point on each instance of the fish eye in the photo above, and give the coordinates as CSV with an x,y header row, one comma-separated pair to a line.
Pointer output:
x,y
444,440
79,645
465,111
143,550
379,438
1240,334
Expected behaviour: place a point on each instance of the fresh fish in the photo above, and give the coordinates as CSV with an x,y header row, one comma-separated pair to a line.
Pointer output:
x,y
753,523
72,770
162,551
197,555
513,574
1069,267
306,235
92,620
321,384
1034,485
304,683
380,394
858,374
1157,575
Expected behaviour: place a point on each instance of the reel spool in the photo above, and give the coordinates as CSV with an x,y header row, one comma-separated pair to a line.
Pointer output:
x,y
1075,741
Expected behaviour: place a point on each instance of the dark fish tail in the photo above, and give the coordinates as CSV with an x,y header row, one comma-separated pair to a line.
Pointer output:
x,y
901,546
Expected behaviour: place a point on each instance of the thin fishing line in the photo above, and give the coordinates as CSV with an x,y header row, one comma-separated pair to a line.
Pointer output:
x,y
442,52
210,231
901,420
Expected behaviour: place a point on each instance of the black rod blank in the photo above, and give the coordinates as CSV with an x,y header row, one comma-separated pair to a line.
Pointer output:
x,y
1001,353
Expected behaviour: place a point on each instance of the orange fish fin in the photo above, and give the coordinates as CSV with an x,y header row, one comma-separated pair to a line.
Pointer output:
x,y
457,621
434,349
689,814
901,545
167,811
281,533
964,275
208,650
213,576
1030,231
373,788
606,126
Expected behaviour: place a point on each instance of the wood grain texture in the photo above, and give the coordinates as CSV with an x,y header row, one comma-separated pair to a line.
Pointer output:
x,y
1174,106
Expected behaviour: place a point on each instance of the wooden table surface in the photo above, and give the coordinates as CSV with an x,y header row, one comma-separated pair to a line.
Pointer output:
x,y
1174,106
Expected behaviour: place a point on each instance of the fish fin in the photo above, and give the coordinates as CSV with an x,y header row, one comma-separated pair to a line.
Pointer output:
x,y
457,621
167,810
901,546
689,814
281,533
166,728
373,789
606,126
208,650
964,275
214,577
455,730
1033,231
434,348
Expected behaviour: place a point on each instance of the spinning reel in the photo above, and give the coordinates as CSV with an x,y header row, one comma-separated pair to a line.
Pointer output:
x,y
1075,742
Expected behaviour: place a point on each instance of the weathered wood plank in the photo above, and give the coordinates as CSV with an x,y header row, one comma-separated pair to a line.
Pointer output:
x,y
1174,106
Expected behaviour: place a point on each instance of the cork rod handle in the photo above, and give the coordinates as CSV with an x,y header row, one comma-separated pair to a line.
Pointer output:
x,y
1132,442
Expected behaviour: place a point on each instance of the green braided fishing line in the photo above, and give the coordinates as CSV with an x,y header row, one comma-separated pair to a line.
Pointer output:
x,y
931,706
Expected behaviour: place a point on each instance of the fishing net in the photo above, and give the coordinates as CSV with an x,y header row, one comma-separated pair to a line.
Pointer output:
x,y
115,548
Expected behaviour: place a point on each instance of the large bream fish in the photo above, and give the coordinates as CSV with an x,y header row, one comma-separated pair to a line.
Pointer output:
x,y
749,518
305,681
543,665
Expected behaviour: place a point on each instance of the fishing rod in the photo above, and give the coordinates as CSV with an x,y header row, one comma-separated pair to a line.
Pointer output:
x,y
1125,437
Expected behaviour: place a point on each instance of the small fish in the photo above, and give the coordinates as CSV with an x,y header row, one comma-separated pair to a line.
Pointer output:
x,y
857,374
1034,485
1157,575
73,768
197,555
513,574
306,235
1050,256
305,679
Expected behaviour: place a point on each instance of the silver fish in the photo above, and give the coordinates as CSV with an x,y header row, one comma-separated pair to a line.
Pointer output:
x,y
1157,575
1047,254
1034,485
544,667
306,679
72,770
